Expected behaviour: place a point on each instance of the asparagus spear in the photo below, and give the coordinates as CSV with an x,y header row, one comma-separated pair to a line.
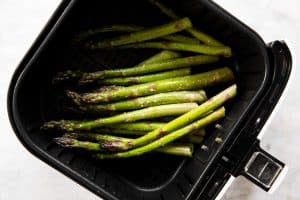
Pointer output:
x,y
147,68
138,126
146,113
131,28
193,82
181,38
203,37
152,100
126,81
216,115
96,137
172,149
105,29
197,48
187,118
163,55
178,149
181,121
146,34
119,131
107,88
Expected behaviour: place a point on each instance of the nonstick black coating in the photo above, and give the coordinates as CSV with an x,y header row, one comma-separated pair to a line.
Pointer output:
x,y
35,100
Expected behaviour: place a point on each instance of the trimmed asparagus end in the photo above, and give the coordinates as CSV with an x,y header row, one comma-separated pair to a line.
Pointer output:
x,y
227,52
178,149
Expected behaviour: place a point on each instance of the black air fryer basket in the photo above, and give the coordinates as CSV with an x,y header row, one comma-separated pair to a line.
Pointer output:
x,y
262,72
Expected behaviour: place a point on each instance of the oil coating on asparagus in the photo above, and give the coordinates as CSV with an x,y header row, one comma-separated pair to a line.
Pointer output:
x,y
193,82
143,35
127,81
183,120
146,113
216,115
203,37
147,101
172,149
187,118
147,68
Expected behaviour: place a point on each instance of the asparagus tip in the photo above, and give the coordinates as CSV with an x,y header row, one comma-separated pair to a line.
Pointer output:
x,y
71,135
90,77
64,141
50,125
61,125
76,98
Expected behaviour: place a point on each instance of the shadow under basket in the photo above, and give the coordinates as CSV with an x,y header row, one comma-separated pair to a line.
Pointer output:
x,y
262,72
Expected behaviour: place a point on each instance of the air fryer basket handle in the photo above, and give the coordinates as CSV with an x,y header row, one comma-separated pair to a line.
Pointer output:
x,y
264,170
260,167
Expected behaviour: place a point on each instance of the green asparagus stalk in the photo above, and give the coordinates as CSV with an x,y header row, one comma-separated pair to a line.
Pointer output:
x,y
130,28
192,138
143,35
147,68
168,119
195,137
216,115
172,149
181,38
107,88
127,81
203,37
138,126
96,137
193,82
182,120
187,118
200,132
163,55
178,149
197,48
118,131
106,29
152,100
146,113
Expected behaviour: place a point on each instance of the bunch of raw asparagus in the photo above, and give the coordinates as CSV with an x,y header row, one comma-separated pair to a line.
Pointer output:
x,y
157,105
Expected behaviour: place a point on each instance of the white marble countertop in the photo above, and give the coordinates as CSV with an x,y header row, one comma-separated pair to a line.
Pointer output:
x,y
22,176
